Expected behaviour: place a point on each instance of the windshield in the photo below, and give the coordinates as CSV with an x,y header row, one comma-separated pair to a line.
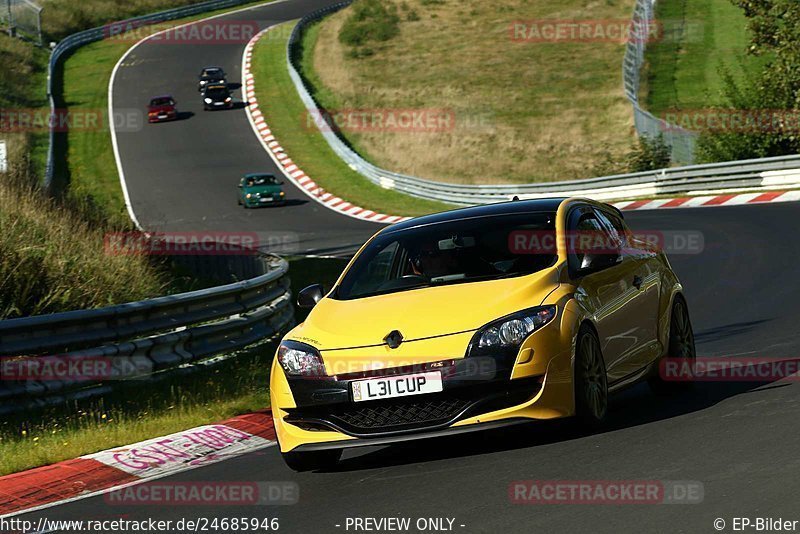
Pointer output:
x,y
262,180
161,102
212,73
217,92
451,252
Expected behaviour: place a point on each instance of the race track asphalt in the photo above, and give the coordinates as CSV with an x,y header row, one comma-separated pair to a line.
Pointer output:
x,y
737,439
182,175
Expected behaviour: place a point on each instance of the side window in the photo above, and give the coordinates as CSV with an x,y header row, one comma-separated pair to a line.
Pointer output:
x,y
614,227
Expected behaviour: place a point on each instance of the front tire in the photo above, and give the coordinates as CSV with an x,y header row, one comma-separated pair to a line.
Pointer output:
x,y
312,460
680,347
591,380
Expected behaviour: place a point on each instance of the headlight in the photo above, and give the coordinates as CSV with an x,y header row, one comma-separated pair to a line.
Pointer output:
x,y
505,335
207,100
282,193
228,99
248,195
298,359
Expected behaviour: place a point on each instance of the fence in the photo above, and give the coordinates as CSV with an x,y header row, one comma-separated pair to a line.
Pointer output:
x,y
143,339
22,17
681,141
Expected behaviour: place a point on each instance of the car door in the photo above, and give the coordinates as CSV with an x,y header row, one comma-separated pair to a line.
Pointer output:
x,y
644,304
602,293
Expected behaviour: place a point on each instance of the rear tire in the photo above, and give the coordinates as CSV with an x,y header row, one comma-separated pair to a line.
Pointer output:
x,y
680,347
591,380
312,460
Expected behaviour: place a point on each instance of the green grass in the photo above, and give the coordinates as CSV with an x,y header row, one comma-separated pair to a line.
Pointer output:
x,y
53,440
307,148
683,72
91,165
136,412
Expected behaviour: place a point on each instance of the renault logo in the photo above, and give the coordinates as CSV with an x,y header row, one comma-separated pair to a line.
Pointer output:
x,y
394,339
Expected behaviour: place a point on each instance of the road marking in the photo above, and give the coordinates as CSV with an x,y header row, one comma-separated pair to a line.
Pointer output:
x,y
112,129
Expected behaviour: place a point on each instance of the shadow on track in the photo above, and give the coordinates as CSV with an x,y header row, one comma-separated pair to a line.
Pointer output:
x,y
632,407
288,203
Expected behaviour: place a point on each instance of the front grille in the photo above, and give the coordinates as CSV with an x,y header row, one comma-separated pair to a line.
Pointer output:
x,y
400,414
413,413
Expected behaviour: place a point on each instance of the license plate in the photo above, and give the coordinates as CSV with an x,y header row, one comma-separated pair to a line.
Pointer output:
x,y
265,199
396,386
162,116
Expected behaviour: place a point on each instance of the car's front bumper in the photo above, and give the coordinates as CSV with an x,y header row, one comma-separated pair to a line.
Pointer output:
x,y
257,204
218,105
167,118
325,417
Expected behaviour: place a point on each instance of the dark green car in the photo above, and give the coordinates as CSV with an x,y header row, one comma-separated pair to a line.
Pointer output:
x,y
260,190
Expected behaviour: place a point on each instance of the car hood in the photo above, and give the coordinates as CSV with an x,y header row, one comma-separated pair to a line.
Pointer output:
x,y
422,313
160,109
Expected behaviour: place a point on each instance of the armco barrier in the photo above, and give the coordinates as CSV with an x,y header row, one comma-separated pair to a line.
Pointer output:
x,y
145,338
737,175
79,39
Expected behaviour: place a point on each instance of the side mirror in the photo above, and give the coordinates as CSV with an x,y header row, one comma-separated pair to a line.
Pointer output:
x,y
597,262
308,297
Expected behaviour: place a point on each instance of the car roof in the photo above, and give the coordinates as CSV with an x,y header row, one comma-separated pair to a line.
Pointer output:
x,y
212,68
500,208
258,174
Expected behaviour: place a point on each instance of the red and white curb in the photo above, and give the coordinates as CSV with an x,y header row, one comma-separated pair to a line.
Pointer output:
x,y
121,467
731,199
289,168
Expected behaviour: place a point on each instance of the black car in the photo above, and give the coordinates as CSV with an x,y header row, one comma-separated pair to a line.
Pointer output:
x,y
217,96
211,75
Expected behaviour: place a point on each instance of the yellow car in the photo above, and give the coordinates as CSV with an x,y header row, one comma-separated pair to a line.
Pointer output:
x,y
473,319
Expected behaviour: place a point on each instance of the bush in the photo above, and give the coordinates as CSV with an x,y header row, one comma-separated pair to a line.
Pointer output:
x,y
370,21
646,155
649,155
757,97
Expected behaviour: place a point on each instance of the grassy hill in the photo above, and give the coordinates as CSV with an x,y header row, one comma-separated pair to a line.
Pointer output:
x,y
522,110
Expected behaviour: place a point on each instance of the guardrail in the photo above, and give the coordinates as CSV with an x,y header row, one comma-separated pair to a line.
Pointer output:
x,y
748,174
143,339
79,39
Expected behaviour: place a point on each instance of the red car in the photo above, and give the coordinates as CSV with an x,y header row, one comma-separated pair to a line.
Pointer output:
x,y
162,108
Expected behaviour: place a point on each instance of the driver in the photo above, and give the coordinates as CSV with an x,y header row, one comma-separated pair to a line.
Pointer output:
x,y
430,262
